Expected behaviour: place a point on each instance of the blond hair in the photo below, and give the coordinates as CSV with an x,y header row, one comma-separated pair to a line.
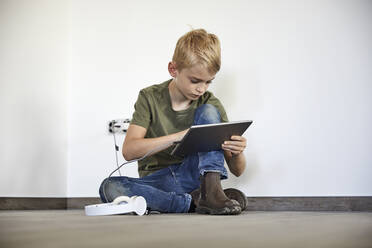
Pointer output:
x,y
198,47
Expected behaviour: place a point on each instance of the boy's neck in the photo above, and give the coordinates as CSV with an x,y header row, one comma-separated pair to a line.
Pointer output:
x,y
178,100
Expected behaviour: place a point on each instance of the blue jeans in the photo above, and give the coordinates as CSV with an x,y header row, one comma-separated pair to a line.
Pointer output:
x,y
167,190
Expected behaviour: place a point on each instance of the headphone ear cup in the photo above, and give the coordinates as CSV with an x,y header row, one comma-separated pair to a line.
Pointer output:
x,y
139,205
120,199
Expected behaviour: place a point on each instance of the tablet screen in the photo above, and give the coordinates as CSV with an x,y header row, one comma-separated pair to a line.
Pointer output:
x,y
209,137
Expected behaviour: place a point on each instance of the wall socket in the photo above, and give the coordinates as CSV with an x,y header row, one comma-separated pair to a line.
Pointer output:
x,y
119,125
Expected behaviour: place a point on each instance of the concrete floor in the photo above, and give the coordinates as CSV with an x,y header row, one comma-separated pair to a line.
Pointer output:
x,y
71,228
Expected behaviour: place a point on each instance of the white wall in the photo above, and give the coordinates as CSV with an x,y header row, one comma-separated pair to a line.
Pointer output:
x,y
299,69
33,126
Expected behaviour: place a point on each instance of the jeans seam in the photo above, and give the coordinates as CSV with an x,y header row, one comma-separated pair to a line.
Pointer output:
x,y
174,175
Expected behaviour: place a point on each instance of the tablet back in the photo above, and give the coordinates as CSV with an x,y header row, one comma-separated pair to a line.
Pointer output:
x,y
205,138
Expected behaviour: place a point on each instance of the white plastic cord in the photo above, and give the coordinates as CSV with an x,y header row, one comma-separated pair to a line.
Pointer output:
x,y
116,152
157,149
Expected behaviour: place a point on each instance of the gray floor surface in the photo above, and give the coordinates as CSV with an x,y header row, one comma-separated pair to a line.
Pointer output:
x,y
71,228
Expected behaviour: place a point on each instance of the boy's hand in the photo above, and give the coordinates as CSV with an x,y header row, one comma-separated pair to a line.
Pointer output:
x,y
235,145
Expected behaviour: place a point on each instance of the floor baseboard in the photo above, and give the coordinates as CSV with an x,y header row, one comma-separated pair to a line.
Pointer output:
x,y
326,203
32,203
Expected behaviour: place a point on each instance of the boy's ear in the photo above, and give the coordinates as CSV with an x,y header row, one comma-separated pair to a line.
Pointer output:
x,y
172,69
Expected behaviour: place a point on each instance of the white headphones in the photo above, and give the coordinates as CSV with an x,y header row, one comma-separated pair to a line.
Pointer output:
x,y
120,205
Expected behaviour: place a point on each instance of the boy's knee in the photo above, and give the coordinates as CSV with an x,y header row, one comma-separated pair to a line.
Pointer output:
x,y
111,188
207,114
103,190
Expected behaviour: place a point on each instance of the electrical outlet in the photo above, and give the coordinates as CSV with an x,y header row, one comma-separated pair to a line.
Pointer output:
x,y
119,125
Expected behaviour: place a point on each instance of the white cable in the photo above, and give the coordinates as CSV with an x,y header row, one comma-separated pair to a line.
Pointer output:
x,y
116,152
157,149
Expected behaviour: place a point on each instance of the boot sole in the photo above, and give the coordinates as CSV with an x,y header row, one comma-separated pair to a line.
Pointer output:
x,y
221,211
237,195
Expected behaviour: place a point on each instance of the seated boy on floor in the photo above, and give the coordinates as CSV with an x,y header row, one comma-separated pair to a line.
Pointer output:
x,y
163,114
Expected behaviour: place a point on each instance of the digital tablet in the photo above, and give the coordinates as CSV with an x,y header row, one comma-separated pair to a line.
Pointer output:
x,y
209,137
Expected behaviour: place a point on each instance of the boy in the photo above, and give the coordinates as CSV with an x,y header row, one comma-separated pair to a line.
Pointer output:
x,y
163,114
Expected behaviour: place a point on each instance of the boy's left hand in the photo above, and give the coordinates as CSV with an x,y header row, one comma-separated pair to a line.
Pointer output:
x,y
236,145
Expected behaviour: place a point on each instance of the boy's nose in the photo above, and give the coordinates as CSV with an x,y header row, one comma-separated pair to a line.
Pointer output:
x,y
201,89
200,92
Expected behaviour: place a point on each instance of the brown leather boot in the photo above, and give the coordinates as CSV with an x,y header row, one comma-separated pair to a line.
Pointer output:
x,y
212,198
231,193
237,195
195,194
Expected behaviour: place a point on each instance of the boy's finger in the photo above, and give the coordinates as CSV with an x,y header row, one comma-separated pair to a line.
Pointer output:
x,y
234,143
235,137
234,152
227,149
237,143
234,147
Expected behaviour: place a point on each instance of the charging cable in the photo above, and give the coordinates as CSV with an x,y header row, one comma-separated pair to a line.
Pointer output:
x,y
118,126
153,151
116,152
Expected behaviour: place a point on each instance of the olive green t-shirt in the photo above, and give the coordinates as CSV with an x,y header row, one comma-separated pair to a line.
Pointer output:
x,y
153,111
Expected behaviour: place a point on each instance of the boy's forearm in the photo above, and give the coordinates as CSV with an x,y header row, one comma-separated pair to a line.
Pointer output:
x,y
236,163
137,148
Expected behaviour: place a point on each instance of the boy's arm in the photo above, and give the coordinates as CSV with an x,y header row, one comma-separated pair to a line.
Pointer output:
x,y
234,156
236,163
136,145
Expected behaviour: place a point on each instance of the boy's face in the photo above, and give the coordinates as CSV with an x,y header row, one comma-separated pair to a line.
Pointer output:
x,y
191,82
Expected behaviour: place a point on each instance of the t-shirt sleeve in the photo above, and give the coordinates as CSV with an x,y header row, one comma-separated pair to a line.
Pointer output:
x,y
142,114
215,102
